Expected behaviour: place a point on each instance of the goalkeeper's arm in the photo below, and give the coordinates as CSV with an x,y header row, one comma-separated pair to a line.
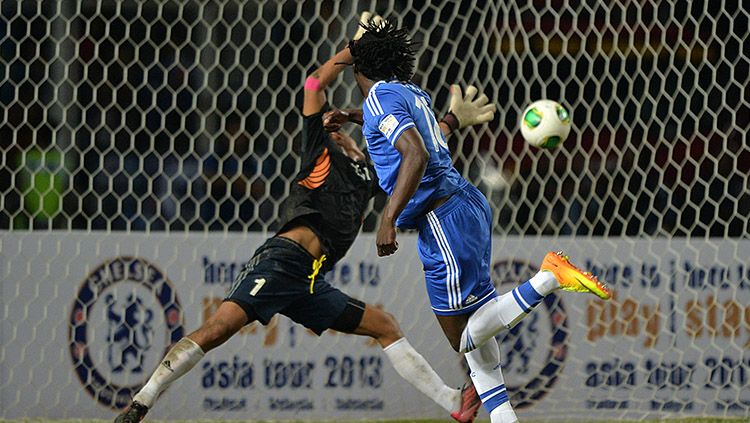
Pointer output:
x,y
317,82
321,78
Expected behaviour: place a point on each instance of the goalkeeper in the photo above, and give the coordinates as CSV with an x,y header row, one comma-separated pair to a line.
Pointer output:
x,y
320,220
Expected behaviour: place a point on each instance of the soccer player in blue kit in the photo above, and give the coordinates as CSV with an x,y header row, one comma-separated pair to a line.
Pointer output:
x,y
453,218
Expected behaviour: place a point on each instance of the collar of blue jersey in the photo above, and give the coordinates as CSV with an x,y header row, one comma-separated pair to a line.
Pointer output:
x,y
374,86
391,80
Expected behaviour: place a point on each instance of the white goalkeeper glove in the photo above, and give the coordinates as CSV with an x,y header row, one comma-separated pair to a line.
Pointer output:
x,y
365,18
467,110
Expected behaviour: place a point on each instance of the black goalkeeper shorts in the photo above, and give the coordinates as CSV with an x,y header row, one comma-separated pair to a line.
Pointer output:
x,y
276,280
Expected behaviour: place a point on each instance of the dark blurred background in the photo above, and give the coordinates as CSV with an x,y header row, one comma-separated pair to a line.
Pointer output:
x,y
175,116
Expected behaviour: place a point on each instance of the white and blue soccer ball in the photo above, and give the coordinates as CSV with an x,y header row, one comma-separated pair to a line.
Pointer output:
x,y
545,124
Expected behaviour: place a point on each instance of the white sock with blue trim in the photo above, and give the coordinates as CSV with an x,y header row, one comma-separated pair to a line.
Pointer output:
x,y
487,377
503,414
506,311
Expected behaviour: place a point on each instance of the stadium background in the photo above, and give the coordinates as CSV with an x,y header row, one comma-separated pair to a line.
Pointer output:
x,y
166,132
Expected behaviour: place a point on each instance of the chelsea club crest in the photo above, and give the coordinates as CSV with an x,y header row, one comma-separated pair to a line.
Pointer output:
x,y
533,352
125,317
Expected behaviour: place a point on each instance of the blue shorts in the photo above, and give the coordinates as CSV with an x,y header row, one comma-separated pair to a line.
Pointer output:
x,y
455,246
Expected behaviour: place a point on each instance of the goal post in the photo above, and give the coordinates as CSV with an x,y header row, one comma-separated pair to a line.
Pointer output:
x,y
146,148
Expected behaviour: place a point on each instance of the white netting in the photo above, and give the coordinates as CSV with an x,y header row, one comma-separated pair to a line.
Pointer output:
x,y
120,118
182,115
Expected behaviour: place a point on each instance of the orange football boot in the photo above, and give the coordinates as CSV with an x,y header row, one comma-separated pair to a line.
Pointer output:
x,y
572,278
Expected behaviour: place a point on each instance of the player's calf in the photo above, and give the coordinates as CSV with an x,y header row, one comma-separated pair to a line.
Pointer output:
x,y
487,376
409,364
379,325
183,356
504,312
222,325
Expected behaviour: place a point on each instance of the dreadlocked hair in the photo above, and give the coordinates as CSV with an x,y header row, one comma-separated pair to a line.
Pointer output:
x,y
383,52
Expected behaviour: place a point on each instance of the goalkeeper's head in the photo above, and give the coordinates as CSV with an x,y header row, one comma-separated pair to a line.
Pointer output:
x,y
383,52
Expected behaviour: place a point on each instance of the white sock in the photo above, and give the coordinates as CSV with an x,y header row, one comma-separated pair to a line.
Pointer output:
x,y
503,414
506,311
544,282
411,366
179,360
487,376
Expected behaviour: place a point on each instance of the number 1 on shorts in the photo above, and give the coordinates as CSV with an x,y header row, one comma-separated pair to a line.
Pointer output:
x,y
258,285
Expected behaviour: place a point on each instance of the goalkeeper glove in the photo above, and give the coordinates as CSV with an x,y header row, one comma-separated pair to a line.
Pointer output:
x,y
365,18
467,110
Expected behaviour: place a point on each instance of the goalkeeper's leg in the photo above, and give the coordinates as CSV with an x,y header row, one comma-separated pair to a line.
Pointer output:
x,y
184,355
228,319
410,365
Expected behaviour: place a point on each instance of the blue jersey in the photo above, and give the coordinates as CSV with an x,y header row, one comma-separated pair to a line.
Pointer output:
x,y
389,110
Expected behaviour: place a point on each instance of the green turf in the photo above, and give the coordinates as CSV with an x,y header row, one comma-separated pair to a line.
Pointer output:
x,y
690,420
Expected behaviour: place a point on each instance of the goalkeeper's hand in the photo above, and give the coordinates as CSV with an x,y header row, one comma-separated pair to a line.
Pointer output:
x,y
334,119
365,18
467,110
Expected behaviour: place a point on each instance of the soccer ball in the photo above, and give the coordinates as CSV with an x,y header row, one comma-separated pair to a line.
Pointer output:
x,y
545,124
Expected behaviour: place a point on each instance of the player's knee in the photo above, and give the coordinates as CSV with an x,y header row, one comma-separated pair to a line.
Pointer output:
x,y
213,333
216,330
393,329
388,329
455,343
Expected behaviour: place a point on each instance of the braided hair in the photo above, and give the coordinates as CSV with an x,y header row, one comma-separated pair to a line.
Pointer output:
x,y
383,52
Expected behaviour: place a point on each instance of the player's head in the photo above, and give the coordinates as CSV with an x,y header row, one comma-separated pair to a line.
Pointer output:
x,y
383,52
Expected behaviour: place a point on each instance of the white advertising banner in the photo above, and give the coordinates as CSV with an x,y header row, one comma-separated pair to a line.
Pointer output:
x,y
87,317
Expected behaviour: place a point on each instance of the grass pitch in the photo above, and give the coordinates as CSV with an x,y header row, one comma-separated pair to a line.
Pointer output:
x,y
678,420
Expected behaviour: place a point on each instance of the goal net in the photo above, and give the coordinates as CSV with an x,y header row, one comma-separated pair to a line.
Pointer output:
x,y
146,148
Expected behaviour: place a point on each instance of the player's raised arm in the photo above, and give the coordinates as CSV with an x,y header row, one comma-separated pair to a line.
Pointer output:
x,y
317,82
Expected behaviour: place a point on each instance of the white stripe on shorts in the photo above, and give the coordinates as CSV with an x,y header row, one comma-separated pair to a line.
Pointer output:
x,y
452,283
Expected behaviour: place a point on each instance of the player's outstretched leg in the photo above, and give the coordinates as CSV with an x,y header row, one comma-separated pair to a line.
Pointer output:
x,y
505,311
183,356
463,403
